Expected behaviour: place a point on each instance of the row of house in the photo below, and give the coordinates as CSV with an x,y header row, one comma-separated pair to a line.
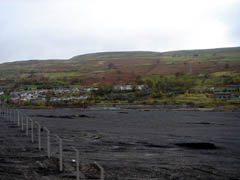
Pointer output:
x,y
73,90
230,88
226,95
230,92
59,99
40,95
55,91
129,87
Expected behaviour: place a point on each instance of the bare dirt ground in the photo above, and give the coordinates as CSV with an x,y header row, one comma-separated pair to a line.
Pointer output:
x,y
21,160
132,144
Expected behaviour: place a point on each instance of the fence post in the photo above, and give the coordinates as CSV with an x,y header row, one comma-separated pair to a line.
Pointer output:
x,y
22,122
26,125
60,154
7,114
77,161
48,141
13,115
101,169
39,136
10,114
18,118
32,129
2,110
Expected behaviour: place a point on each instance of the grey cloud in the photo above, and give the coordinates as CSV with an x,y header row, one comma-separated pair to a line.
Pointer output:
x,y
51,29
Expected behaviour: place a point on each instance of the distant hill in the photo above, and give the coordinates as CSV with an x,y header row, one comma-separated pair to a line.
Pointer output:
x,y
109,68
117,55
219,53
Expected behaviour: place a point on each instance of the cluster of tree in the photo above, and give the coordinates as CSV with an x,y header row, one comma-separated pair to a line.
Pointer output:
x,y
74,103
169,84
113,97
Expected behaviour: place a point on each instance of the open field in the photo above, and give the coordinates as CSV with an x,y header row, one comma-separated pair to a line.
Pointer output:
x,y
150,145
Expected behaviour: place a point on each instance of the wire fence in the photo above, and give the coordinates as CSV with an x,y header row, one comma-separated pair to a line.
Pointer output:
x,y
53,143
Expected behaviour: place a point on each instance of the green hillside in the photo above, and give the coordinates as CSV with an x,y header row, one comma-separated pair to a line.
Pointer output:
x,y
224,54
108,68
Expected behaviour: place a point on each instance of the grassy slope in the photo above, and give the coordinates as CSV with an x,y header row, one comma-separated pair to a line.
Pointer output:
x,y
208,54
126,66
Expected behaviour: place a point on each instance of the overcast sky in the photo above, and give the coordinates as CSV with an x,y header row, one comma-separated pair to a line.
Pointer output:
x,y
48,29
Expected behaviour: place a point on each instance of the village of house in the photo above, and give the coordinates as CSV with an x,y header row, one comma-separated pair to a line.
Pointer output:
x,y
41,95
79,94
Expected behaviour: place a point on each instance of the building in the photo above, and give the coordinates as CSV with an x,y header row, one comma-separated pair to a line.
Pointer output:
x,y
222,95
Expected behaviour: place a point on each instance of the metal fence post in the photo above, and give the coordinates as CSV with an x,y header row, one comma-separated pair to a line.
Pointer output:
x,y
10,114
2,109
32,129
13,115
22,122
39,136
101,169
77,161
48,142
7,114
18,118
26,126
60,154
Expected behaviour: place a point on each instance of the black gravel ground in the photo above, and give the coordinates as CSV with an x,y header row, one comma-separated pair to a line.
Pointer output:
x,y
139,145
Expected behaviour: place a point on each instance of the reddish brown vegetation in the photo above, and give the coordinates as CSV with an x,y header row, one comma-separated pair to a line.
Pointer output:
x,y
124,71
